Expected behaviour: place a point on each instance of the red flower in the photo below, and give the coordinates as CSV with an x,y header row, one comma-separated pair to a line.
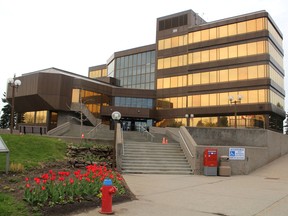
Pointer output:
x,y
43,188
71,180
26,179
27,185
45,176
37,180
61,178
88,179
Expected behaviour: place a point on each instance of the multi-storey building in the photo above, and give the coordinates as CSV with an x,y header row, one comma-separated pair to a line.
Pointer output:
x,y
223,73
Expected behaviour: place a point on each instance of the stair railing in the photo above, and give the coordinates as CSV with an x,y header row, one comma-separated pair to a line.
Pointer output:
x,y
147,133
92,132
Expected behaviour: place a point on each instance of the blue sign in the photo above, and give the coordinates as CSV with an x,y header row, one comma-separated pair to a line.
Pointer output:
x,y
236,153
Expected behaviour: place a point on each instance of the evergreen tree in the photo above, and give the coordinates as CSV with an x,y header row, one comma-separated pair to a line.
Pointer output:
x,y
6,113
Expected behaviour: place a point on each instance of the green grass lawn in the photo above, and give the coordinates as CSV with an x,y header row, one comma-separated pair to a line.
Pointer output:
x,y
29,151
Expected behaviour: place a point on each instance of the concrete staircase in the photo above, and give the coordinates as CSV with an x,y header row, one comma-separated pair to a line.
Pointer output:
x,y
154,158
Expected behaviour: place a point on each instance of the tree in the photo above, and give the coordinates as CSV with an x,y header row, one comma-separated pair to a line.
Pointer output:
x,y
6,113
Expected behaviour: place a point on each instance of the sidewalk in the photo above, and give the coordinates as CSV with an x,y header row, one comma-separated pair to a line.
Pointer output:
x,y
264,192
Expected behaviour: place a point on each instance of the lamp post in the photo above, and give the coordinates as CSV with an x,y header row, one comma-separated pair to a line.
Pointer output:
x,y
116,116
235,102
188,116
14,84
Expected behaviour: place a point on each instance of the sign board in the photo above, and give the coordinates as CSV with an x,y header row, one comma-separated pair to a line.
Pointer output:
x,y
4,149
236,153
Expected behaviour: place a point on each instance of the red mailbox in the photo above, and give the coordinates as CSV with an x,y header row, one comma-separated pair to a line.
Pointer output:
x,y
210,157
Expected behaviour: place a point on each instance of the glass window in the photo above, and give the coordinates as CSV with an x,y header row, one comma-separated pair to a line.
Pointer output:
x,y
175,42
205,35
213,76
196,57
167,43
213,33
242,50
241,28
213,99
260,24
167,63
205,78
242,73
251,26
223,98
252,48
174,82
223,53
196,37
261,47
190,81
232,29
262,96
166,82
29,117
160,44
205,100
174,61
196,79
213,55
253,96
233,76
244,95
75,95
223,75
232,51
180,81
223,31
252,72
196,100
190,38
261,71
205,56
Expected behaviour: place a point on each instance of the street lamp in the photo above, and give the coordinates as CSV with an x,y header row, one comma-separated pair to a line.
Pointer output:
x,y
235,102
14,84
116,116
188,116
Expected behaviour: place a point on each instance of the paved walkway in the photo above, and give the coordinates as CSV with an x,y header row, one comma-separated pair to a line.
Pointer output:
x,y
262,193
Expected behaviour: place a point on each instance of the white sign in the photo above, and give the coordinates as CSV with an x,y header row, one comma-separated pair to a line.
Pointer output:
x,y
236,153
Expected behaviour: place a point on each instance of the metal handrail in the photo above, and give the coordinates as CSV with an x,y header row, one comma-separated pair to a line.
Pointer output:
x,y
185,144
94,128
147,132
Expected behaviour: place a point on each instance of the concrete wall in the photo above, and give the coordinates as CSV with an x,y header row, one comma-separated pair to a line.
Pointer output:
x,y
261,146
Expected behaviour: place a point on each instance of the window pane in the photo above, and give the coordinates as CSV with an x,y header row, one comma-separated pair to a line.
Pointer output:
x,y
261,71
196,57
167,63
251,26
213,33
205,100
205,35
244,95
167,43
242,50
252,72
223,75
175,42
190,38
160,64
213,77
232,51
166,83
252,48
261,47
160,44
223,52
233,75
213,55
213,99
205,56
253,96
232,29
223,98
196,37
159,83
174,61
242,73
196,79
173,82
260,24
190,79
223,31
241,27
262,96
205,78
180,81
196,100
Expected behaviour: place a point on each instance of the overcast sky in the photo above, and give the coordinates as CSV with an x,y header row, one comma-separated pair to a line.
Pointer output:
x,y
75,34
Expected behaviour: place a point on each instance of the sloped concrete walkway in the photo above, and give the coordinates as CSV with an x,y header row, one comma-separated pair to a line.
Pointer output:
x,y
262,193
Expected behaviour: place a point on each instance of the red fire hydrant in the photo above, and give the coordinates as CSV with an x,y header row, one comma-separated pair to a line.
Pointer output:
x,y
107,191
